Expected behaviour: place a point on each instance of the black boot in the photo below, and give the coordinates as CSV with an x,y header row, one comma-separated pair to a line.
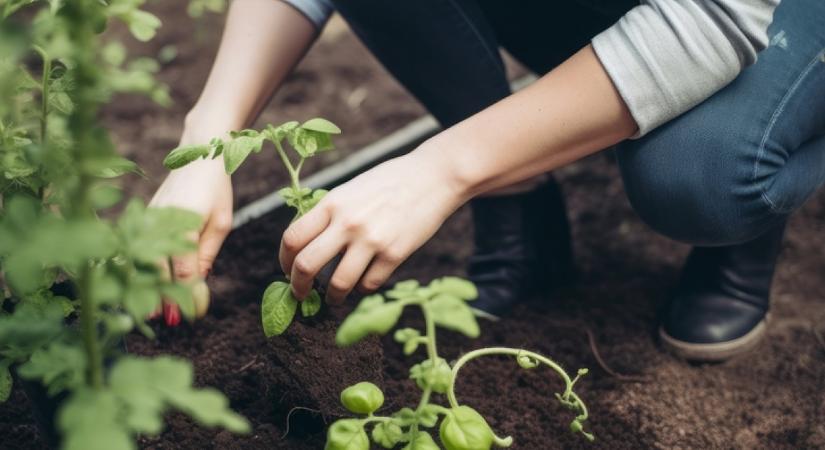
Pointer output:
x,y
721,304
522,243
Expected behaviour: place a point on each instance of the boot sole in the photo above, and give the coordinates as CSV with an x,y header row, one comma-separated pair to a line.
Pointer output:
x,y
716,352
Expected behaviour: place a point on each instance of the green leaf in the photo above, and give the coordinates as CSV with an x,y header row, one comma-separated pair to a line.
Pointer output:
x,y
277,134
455,286
321,125
433,376
453,313
421,441
465,429
428,416
315,198
409,337
142,296
29,328
362,398
148,386
347,434
278,308
152,234
387,434
88,420
58,366
403,289
371,316
110,167
5,381
182,296
236,151
210,408
184,155
527,361
143,25
114,53
311,305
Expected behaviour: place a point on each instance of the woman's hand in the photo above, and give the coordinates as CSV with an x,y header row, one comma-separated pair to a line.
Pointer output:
x,y
203,187
376,220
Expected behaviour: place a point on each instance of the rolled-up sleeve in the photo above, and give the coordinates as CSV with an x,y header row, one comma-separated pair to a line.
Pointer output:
x,y
666,56
317,11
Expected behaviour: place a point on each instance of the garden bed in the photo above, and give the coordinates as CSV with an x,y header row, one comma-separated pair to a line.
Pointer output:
x,y
771,398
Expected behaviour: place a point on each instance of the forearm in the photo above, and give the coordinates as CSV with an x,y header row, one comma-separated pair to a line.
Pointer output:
x,y
262,41
572,112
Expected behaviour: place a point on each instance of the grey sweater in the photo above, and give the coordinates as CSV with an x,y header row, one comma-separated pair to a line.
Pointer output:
x,y
664,56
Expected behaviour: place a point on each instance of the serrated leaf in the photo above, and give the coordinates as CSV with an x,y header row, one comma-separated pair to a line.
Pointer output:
x,y
278,308
311,305
387,434
453,313
58,366
236,151
88,421
321,125
184,155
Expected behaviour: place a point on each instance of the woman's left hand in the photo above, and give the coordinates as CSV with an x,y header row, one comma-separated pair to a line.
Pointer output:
x,y
376,220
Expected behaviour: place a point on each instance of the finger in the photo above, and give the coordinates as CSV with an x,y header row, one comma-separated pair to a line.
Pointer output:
x,y
301,233
185,267
378,273
312,258
211,240
349,271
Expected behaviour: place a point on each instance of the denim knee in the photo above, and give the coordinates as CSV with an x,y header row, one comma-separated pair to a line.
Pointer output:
x,y
696,185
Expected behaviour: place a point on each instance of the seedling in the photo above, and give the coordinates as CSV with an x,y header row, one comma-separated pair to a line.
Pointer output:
x,y
444,304
307,139
58,171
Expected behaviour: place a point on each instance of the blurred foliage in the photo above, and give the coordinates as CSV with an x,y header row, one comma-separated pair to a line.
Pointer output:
x,y
58,170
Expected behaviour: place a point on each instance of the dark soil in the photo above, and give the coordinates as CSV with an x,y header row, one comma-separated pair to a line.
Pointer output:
x,y
772,398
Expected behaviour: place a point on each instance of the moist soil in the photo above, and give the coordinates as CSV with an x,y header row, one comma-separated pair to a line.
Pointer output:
x,y
287,386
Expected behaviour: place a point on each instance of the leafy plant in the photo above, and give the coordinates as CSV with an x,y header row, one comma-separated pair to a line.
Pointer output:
x,y
58,172
444,304
307,139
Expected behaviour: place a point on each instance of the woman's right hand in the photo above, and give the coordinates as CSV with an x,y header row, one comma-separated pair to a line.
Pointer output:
x,y
203,187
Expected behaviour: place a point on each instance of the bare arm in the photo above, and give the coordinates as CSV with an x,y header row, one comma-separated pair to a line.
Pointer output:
x,y
262,41
379,218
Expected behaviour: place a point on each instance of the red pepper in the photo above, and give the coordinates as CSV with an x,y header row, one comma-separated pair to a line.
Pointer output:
x,y
171,314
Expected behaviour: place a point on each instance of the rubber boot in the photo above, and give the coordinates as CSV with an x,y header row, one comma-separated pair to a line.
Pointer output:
x,y
522,245
721,305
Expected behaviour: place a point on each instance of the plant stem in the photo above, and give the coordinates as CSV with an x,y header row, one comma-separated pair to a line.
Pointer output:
x,y
88,325
568,396
44,101
294,175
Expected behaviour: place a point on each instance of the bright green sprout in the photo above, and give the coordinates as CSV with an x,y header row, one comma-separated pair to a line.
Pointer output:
x,y
444,304
314,136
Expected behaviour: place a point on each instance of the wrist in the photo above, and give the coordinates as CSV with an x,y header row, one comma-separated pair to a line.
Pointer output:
x,y
438,161
201,125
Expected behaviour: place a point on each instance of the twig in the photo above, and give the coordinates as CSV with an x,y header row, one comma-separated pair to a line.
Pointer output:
x,y
303,408
247,365
594,349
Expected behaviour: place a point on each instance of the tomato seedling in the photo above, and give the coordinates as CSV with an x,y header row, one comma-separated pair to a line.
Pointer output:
x,y
59,171
444,304
314,136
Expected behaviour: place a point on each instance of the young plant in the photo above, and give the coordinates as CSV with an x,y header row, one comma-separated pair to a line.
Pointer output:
x,y
58,171
307,139
444,304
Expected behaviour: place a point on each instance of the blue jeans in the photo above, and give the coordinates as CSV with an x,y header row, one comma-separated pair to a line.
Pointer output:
x,y
720,174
